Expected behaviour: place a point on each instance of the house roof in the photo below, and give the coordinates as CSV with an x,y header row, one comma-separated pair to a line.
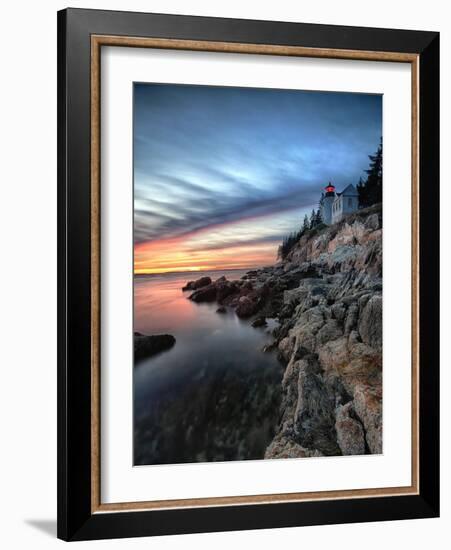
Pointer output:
x,y
349,191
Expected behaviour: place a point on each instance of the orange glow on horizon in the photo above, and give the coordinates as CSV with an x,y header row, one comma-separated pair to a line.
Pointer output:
x,y
175,255
238,244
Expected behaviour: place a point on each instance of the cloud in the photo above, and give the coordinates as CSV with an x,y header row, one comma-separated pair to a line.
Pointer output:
x,y
207,157
156,218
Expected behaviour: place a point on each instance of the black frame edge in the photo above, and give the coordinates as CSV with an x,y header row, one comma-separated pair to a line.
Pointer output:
x,y
61,279
251,517
254,31
74,272
429,178
75,521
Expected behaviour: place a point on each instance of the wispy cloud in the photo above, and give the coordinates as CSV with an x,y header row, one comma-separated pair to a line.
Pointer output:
x,y
208,160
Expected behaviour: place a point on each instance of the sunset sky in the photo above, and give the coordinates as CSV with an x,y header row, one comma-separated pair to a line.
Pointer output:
x,y
222,174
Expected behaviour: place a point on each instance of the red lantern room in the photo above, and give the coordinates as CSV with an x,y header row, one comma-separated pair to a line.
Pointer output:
x,y
330,190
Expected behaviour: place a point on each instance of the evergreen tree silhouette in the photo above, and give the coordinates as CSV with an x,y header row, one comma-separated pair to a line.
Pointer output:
x,y
370,191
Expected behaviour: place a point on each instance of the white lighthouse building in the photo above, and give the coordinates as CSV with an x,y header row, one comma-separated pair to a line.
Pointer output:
x,y
326,204
334,206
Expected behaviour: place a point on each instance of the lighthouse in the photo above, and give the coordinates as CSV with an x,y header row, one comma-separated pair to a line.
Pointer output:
x,y
326,204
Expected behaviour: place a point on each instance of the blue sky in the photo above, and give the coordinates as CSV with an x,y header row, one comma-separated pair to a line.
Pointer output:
x,y
223,167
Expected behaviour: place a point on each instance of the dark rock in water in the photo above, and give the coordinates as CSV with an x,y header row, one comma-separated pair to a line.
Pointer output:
x,y
221,309
251,302
224,289
246,307
259,322
198,283
205,294
207,291
147,346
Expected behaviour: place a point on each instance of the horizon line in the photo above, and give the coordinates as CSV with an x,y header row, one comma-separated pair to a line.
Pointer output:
x,y
249,268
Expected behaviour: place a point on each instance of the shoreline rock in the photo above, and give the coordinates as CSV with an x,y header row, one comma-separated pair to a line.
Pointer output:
x,y
198,283
205,294
148,346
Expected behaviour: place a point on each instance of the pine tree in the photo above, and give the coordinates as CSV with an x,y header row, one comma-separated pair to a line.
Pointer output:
x,y
374,180
288,243
306,224
361,190
370,191
312,222
318,217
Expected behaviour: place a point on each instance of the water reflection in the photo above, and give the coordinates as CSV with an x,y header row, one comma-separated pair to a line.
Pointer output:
x,y
215,394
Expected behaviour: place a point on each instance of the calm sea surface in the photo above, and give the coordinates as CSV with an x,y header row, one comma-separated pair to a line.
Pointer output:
x,y
215,395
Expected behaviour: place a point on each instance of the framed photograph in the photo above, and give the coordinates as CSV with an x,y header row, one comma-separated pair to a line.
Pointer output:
x,y
248,274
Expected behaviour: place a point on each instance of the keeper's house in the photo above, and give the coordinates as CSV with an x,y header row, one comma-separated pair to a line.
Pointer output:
x,y
334,206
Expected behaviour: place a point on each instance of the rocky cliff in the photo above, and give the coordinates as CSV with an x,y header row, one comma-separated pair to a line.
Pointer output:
x,y
331,338
327,297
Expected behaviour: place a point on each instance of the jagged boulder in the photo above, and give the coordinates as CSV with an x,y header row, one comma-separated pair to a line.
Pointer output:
x,y
246,307
314,416
338,311
198,283
330,331
350,434
372,222
224,289
286,347
368,406
204,294
352,316
370,322
285,447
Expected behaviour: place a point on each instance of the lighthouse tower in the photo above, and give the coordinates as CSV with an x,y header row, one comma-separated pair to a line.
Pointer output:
x,y
326,204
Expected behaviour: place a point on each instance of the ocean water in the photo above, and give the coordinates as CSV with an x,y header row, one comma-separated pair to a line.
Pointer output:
x,y
215,395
